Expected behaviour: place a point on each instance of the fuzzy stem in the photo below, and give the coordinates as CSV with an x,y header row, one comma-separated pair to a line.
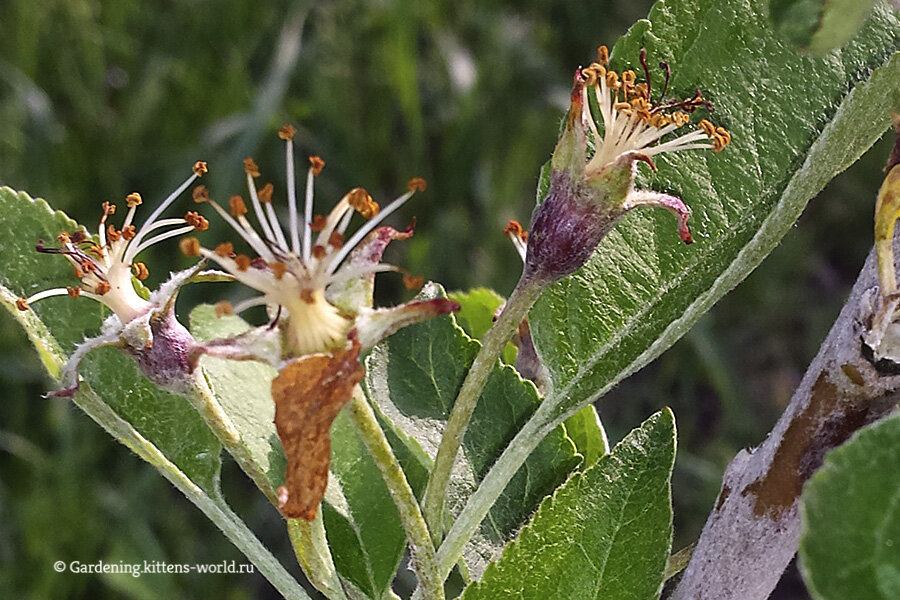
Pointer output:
x,y
493,484
204,402
314,556
421,549
492,344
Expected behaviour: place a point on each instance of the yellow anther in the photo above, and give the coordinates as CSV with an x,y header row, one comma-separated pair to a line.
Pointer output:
x,y
200,194
316,164
128,232
603,55
199,168
225,249
133,199
21,304
362,202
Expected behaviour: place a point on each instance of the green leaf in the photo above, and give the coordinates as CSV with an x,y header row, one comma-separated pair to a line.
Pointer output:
x,y
796,121
413,377
588,435
161,428
361,520
850,545
605,533
476,315
819,25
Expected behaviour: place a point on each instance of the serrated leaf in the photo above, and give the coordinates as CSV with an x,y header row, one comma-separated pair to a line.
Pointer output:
x,y
796,121
819,25
605,533
476,315
850,545
414,377
362,524
161,428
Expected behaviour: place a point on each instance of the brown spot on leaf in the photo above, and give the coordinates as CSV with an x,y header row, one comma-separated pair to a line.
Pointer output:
x,y
309,393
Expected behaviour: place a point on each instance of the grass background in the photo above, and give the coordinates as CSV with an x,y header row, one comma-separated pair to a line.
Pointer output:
x,y
100,98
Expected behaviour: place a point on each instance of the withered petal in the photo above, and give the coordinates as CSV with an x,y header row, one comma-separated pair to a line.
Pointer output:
x,y
309,393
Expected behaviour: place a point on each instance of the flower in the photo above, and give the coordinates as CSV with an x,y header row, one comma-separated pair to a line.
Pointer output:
x,y
316,279
315,276
105,265
588,194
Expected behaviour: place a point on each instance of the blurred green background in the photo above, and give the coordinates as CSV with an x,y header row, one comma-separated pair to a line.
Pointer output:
x,y
100,98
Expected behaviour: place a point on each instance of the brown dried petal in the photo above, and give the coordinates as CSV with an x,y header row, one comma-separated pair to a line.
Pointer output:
x,y
309,393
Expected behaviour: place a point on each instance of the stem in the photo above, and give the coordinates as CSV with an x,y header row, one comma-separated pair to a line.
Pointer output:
x,y
314,556
520,302
213,507
493,484
204,402
754,530
421,549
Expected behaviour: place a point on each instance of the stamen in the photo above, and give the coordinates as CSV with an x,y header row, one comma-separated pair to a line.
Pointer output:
x,y
287,134
225,249
316,164
199,169
248,303
140,271
190,246
223,308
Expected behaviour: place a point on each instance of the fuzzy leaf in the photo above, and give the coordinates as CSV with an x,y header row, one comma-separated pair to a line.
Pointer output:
x,y
642,290
361,521
819,26
414,376
850,545
605,533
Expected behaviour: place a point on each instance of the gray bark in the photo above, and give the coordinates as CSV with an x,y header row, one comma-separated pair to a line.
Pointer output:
x,y
754,530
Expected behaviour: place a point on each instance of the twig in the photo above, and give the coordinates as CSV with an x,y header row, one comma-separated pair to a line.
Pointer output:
x,y
753,531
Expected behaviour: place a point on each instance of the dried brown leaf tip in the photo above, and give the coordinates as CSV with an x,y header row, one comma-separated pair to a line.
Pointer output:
x,y
309,393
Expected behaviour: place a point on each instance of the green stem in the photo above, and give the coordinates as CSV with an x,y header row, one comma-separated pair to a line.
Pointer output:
x,y
420,545
538,426
213,506
314,555
492,345
205,402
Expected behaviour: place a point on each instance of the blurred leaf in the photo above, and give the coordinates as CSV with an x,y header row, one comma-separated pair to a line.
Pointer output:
x,y
604,534
850,545
414,377
819,26
476,315
643,290
361,520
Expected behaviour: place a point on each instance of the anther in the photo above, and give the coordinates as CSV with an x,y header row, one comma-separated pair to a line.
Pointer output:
x,y
603,55
225,249
236,206
413,282
140,271
196,220
417,184
242,261
265,194
199,168
190,246
128,232
318,224
363,203
63,238
278,269
224,308
316,164
21,304
133,199
287,132
101,288
250,167
200,194
112,235
319,251
74,292
307,296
